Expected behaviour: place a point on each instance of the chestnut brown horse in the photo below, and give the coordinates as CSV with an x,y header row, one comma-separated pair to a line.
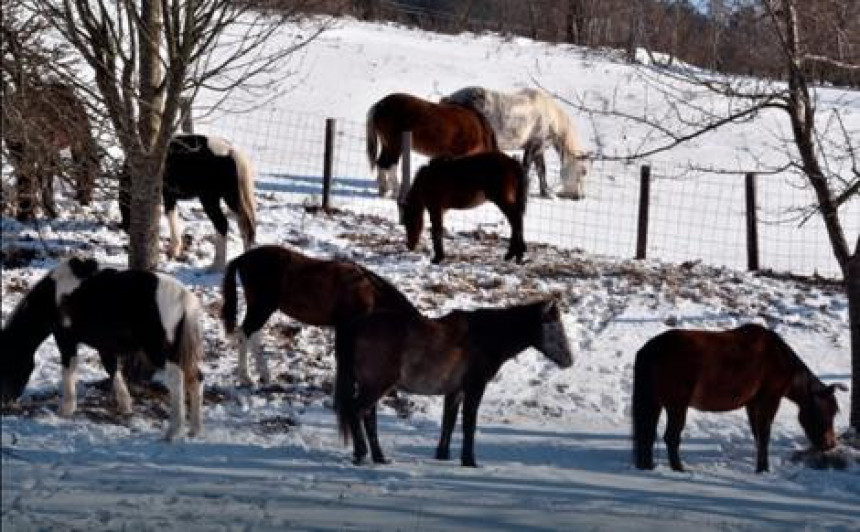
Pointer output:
x,y
437,129
718,371
464,183
313,291
455,356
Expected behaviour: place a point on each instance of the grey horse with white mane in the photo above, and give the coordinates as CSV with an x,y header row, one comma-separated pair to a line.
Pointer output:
x,y
530,120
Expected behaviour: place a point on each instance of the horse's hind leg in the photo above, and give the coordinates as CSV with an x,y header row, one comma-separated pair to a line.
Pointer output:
x,y
676,417
69,360
386,176
373,436
449,420
436,230
195,400
257,314
517,245
172,214
212,206
123,399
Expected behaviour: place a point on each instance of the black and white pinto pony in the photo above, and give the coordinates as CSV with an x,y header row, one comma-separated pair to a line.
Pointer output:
x,y
530,120
116,313
212,169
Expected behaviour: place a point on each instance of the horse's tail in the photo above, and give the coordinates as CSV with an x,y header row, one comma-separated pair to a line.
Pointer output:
x,y
228,294
344,380
189,348
372,139
247,205
644,407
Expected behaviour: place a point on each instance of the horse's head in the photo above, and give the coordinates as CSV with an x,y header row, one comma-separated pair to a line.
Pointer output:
x,y
553,340
474,97
412,213
817,413
574,168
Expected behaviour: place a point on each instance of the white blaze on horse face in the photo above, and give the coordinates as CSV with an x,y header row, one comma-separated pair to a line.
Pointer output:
x,y
69,401
556,345
175,383
219,146
170,296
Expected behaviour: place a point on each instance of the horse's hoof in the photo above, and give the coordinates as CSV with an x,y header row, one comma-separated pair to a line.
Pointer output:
x,y
437,260
246,380
195,431
67,409
358,460
443,455
468,462
381,460
171,434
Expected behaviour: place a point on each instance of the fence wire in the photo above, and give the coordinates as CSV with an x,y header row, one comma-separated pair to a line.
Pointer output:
x,y
693,216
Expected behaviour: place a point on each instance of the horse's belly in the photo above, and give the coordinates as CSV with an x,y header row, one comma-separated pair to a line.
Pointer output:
x,y
422,380
720,398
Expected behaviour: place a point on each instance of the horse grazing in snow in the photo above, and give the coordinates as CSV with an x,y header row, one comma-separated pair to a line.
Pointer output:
x,y
212,169
116,313
437,129
718,371
314,291
530,120
455,355
464,183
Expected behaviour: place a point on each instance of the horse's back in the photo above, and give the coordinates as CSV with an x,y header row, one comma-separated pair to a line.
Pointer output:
x,y
712,370
193,166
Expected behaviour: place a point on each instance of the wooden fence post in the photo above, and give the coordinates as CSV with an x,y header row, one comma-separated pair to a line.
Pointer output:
x,y
405,167
328,163
644,200
752,226
186,123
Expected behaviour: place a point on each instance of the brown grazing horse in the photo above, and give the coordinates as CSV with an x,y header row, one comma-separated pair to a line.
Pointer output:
x,y
464,183
437,129
455,356
40,119
313,291
750,367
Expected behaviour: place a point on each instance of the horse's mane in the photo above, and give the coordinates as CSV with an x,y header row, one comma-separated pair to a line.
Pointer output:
x,y
790,354
388,288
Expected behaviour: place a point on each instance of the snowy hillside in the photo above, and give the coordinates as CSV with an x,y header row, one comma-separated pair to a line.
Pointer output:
x,y
553,444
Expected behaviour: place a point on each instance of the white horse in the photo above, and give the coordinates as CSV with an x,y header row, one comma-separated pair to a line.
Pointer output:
x,y
529,120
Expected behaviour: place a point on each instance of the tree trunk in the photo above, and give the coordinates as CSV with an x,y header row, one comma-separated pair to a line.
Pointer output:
x,y
852,287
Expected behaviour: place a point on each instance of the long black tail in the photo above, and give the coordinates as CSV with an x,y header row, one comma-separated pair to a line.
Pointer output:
x,y
344,380
228,293
644,408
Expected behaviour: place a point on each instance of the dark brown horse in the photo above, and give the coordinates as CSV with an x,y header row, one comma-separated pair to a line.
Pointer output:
x,y
464,183
40,119
750,367
455,356
437,129
313,291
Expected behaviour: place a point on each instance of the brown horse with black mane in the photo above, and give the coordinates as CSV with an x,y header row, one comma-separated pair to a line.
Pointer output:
x,y
437,129
464,183
718,371
313,291
455,355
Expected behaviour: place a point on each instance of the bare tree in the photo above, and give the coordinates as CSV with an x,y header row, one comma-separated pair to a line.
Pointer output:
x,y
820,146
145,55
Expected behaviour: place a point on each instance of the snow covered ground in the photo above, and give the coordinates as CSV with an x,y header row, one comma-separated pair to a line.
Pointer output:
x,y
553,444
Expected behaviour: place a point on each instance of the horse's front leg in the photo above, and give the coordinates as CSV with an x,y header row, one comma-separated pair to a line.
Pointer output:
x,y
761,414
449,419
517,245
176,386
69,358
473,395
675,418
436,230
212,207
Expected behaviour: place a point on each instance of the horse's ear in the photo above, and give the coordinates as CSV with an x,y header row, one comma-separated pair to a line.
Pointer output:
x,y
831,389
83,268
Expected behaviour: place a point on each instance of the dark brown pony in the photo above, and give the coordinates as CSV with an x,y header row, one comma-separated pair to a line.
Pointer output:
x,y
313,291
750,367
40,119
464,183
437,129
455,356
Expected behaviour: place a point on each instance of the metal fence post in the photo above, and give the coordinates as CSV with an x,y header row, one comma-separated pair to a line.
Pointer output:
x,y
752,226
644,200
328,163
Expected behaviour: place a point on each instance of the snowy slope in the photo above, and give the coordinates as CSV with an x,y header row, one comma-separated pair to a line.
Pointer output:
x,y
553,444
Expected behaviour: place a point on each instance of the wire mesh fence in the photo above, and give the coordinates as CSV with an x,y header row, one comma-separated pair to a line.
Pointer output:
x,y
693,216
